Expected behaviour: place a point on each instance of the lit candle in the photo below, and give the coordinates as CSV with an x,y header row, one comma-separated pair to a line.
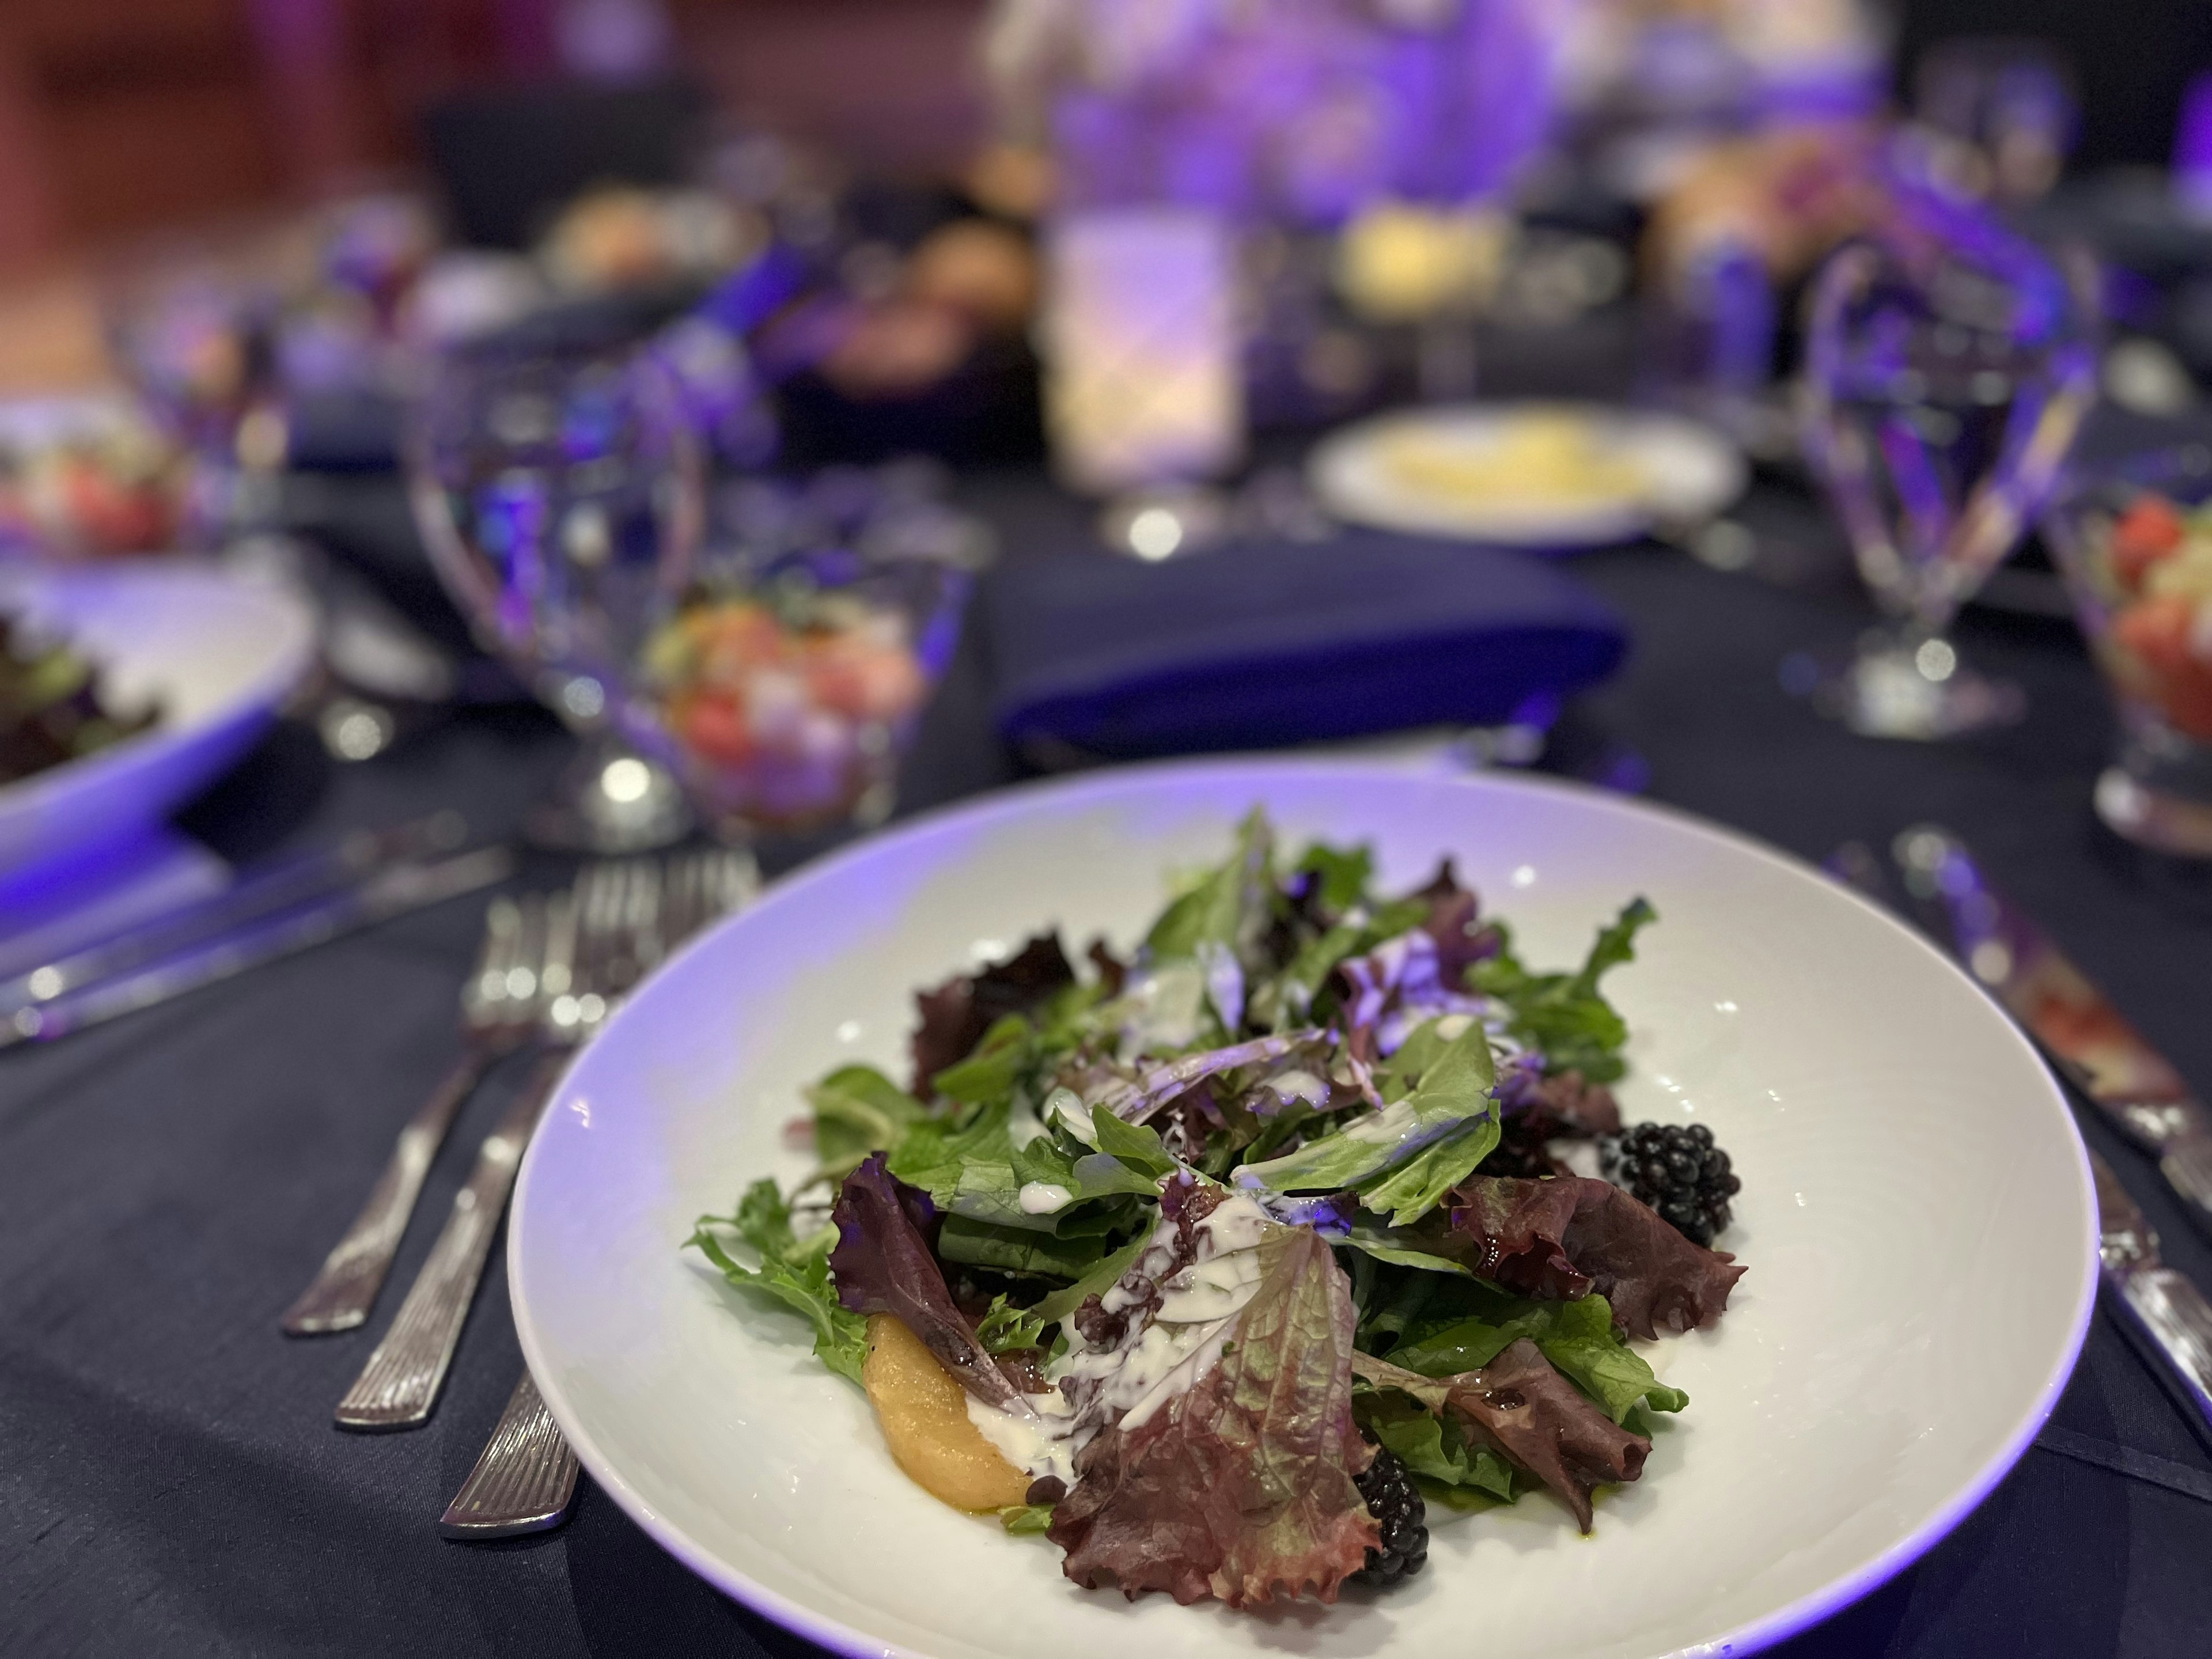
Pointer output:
x,y
1143,384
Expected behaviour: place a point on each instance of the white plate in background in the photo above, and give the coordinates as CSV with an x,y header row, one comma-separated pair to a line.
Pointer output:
x,y
1917,1219
216,653
1654,469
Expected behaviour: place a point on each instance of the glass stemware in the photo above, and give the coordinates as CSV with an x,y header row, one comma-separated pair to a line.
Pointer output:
x,y
793,679
197,342
1948,369
557,480
2134,540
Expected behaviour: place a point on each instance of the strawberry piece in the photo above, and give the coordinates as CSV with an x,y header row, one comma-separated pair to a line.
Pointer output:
x,y
2148,532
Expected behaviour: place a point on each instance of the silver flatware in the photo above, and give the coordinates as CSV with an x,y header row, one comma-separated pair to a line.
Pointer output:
x,y
277,885
2137,1089
524,959
2167,1310
525,1479
379,897
399,1385
523,1482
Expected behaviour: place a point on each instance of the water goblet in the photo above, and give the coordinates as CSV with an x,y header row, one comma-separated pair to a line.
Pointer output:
x,y
1948,369
557,481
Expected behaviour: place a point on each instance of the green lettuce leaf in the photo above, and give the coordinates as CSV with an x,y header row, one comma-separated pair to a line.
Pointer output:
x,y
1448,1110
1577,1337
1225,906
792,1273
1400,1250
1344,872
1435,1449
1137,1144
1522,1407
1086,1176
859,1110
994,1067
1026,1519
1095,1280
1564,1015
1414,1188
1582,1344
1016,1249
1004,1328
967,1169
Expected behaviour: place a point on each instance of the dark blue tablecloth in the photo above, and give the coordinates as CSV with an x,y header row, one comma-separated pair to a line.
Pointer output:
x,y
169,1478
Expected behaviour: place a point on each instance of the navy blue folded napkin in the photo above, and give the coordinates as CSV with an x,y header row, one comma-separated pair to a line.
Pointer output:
x,y
1260,645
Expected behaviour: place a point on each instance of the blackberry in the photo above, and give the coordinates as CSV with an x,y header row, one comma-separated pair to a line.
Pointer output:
x,y
1677,1170
1397,1507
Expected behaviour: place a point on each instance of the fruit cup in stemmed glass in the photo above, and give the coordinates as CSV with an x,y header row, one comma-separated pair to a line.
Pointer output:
x,y
2134,538
792,680
555,477
1948,367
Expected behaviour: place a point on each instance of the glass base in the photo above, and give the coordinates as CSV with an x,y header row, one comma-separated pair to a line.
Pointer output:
x,y
610,800
1914,689
1163,520
2153,817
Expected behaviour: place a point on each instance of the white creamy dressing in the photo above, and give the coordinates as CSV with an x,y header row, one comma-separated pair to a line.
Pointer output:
x,y
1453,1011
1045,1198
1199,1305
1065,1108
1297,1084
1394,1126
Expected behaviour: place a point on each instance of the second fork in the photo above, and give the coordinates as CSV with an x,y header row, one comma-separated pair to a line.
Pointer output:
x,y
526,950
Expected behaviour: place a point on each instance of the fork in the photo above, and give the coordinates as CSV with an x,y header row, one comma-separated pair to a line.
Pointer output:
x,y
399,1385
602,936
497,1004
525,1479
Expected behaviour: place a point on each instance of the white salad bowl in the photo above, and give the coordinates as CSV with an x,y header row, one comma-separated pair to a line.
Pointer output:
x,y
214,653
1917,1218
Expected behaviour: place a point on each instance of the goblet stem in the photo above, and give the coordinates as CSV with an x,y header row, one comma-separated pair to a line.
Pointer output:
x,y
1908,681
609,800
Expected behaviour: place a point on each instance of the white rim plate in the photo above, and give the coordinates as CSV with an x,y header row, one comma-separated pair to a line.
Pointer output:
x,y
217,653
1692,473
1916,1218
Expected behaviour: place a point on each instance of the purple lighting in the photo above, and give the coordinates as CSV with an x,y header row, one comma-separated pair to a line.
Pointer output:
x,y
2192,145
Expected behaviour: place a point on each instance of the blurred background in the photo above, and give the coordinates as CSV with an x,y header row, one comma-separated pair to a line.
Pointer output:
x,y
135,117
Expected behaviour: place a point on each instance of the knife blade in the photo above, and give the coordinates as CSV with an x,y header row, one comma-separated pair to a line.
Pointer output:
x,y
2114,1065
275,886
387,893
2165,1308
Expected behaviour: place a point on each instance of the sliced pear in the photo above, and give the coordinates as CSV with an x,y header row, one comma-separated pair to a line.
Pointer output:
x,y
924,1412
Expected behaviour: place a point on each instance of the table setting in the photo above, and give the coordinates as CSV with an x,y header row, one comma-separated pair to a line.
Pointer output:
x,y
1401,840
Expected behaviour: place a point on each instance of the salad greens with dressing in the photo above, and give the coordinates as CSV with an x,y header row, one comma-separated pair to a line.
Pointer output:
x,y
1245,1248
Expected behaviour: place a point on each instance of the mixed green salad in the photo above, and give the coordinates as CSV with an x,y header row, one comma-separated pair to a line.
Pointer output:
x,y
51,706
1245,1250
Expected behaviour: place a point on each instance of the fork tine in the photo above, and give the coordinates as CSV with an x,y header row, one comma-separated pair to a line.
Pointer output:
x,y
648,915
737,880
691,873
485,998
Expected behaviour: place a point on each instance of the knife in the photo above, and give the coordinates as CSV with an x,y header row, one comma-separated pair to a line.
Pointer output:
x,y
258,893
2165,1308
386,893
2134,1085
2166,1311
